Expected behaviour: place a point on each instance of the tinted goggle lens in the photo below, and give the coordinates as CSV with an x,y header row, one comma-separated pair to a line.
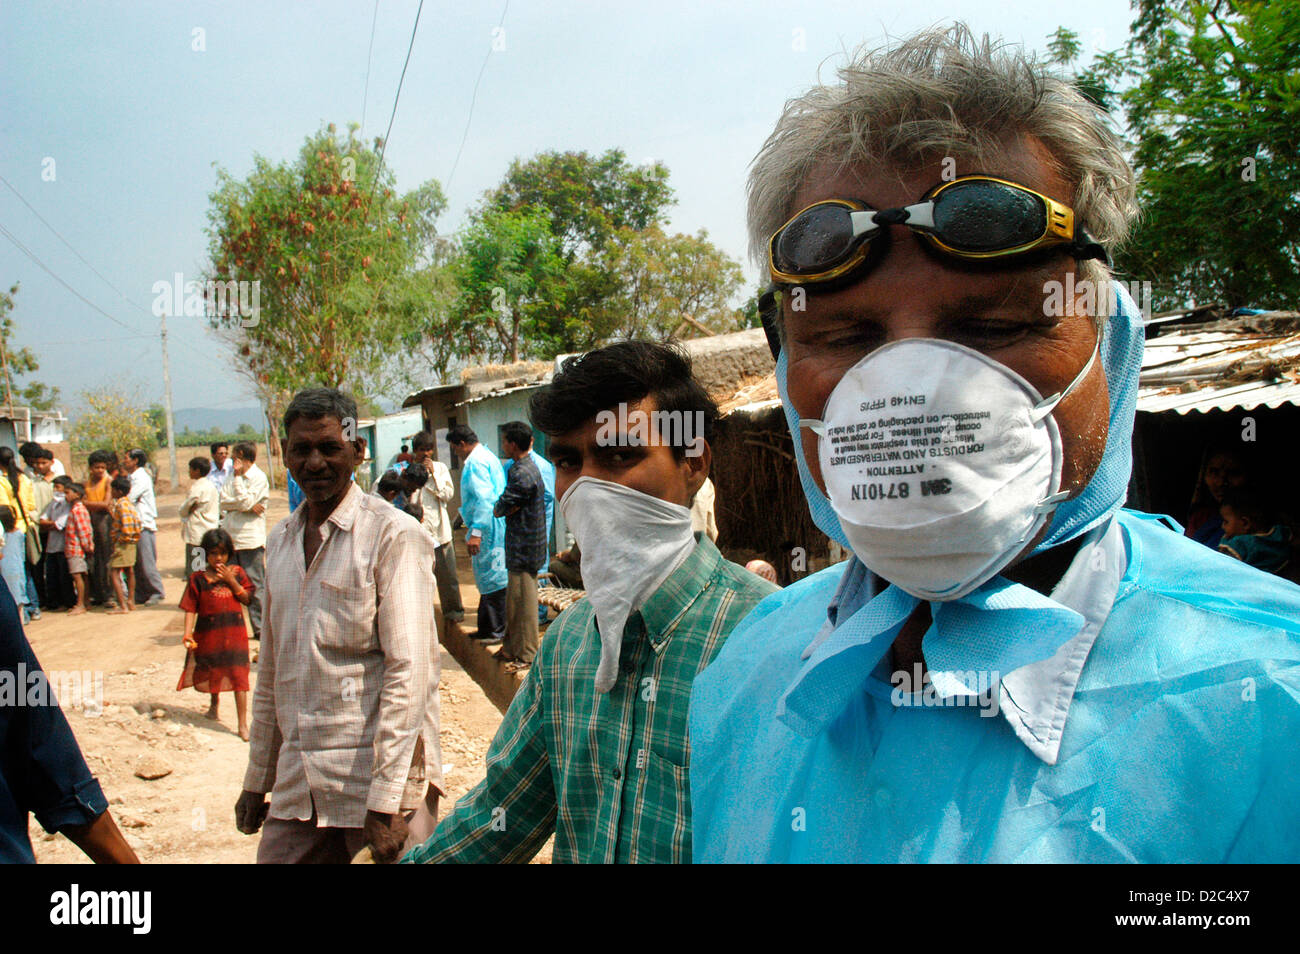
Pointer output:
x,y
987,217
819,237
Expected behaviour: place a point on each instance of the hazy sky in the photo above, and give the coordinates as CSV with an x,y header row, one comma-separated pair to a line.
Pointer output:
x,y
134,120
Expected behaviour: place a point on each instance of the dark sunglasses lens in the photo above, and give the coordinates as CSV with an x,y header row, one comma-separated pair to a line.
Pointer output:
x,y
988,217
817,239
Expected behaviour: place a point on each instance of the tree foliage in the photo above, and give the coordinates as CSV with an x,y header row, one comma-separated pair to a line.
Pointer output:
x,y
509,272
1211,97
21,361
669,285
340,260
114,419
585,198
570,250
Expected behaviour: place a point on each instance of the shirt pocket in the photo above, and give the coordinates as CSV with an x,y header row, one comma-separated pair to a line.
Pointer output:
x,y
346,617
666,786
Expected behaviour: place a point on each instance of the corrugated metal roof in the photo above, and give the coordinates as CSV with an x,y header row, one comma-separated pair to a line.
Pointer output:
x,y
502,392
1219,367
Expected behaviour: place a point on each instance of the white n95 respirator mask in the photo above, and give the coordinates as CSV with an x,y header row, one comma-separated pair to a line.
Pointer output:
x,y
941,463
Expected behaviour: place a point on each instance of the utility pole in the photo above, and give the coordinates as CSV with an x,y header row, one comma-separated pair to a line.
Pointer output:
x,y
270,454
167,406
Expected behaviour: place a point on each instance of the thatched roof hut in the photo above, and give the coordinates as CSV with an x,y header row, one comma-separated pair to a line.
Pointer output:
x,y
760,508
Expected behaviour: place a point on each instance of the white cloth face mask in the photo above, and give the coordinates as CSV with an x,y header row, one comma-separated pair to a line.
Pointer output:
x,y
940,462
631,542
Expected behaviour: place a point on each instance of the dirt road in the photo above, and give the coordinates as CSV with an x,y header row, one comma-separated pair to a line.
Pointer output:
x,y
187,816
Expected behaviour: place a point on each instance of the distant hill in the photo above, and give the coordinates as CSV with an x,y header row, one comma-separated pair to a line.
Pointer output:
x,y
226,419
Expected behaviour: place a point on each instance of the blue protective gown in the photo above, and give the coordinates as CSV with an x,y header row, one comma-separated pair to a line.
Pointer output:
x,y
482,480
1179,745
1178,742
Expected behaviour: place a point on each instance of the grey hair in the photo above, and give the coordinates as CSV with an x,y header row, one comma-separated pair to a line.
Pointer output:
x,y
315,403
942,92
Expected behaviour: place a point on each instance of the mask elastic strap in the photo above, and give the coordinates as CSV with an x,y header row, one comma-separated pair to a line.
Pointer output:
x,y
1048,405
814,425
1048,504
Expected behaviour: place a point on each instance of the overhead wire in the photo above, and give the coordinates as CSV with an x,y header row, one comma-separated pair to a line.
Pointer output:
x,y
472,100
365,95
383,148
184,343
135,332
69,245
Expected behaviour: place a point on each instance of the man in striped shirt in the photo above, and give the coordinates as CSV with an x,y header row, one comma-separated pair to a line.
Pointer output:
x,y
594,747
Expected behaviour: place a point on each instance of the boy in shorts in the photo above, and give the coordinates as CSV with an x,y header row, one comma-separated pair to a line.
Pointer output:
x,y
78,543
125,533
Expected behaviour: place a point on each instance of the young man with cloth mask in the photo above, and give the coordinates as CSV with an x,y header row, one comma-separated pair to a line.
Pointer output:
x,y
594,746
1012,667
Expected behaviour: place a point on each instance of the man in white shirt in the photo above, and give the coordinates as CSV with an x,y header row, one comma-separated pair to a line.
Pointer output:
x,y
345,713
222,467
243,503
434,497
148,582
200,512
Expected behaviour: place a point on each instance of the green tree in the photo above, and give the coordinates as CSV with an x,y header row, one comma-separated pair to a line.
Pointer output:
x,y
157,418
570,250
585,198
21,361
113,419
1210,93
669,286
508,271
335,251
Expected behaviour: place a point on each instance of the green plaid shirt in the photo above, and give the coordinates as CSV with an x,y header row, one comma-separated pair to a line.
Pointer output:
x,y
607,773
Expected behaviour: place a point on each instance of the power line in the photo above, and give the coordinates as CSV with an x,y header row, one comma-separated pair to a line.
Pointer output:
x,y
393,115
82,258
32,255
135,332
472,100
365,96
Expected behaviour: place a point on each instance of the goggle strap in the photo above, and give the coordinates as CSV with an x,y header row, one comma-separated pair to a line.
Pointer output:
x,y
1085,247
769,314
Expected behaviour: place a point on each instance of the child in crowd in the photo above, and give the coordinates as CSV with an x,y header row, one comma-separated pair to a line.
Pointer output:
x,y
390,488
216,635
12,561
125,533
78,543
59,592
1250,533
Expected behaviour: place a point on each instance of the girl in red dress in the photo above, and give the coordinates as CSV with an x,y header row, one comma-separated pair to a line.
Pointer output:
x,y
216,636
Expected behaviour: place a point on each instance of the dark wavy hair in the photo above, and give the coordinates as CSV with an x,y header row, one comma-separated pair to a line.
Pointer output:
x,y
622,373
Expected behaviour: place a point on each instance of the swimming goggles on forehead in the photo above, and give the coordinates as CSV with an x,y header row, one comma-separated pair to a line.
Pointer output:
x,y
973,218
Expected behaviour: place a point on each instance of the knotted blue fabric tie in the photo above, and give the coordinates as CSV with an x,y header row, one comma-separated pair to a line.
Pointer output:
x,y
993,630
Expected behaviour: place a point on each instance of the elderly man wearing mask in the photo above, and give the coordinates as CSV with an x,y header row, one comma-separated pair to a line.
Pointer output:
x,y
594,747
1012,667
